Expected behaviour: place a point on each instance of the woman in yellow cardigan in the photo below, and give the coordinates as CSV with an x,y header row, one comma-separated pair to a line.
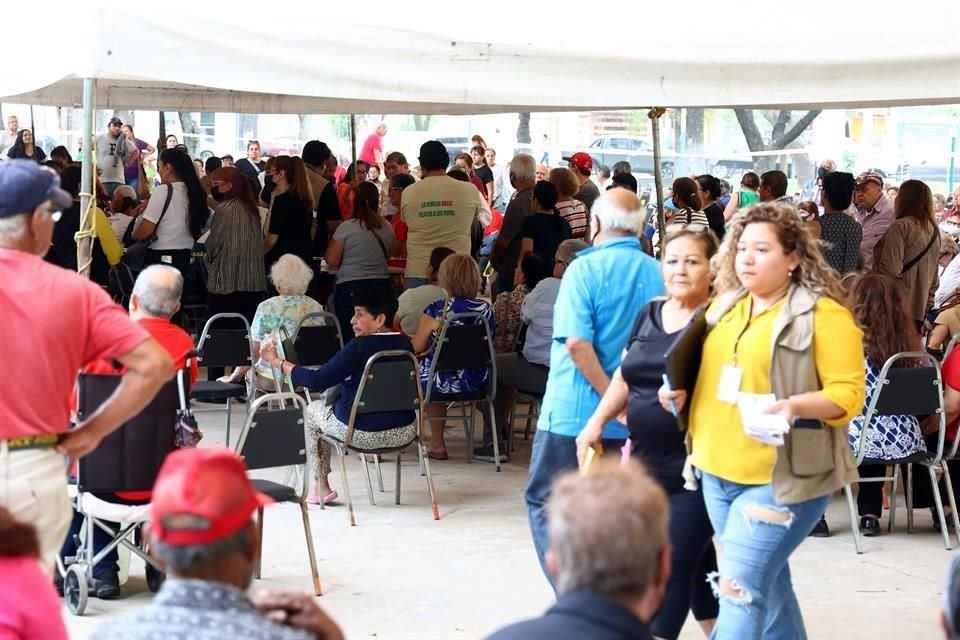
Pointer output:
x,y
781,339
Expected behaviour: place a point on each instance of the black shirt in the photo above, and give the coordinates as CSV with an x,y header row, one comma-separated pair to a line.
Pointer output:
x,y
715,217
654,434
328,210
547,230
63,246
579,615
290,221
840,235
485,174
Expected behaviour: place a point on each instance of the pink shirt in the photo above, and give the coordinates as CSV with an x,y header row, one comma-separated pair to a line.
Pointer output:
x,y
54,322
31,608
373,143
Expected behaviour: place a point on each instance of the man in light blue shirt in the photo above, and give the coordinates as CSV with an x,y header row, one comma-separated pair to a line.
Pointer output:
x,y
600,297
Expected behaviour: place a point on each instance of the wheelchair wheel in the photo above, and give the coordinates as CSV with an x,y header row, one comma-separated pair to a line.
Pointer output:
x,y
75,589
155,578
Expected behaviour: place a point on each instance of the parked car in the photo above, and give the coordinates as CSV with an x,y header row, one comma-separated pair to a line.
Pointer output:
x,y
609,150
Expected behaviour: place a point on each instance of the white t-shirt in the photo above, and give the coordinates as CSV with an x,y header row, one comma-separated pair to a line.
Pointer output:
x,y
111,159
174,232
438,211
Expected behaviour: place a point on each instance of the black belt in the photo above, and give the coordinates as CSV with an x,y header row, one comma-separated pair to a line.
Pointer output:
x,y
45,441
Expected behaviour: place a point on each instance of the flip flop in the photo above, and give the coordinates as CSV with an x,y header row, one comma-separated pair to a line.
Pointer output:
x,y
314,498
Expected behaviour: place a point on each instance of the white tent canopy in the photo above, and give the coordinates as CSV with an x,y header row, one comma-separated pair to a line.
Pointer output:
x,y
441,57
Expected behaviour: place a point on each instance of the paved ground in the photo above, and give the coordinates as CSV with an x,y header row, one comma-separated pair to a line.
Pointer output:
x,y
399,574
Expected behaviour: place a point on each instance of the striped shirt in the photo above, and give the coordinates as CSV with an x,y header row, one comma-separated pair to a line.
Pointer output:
x,y
575,213
235,250
689,216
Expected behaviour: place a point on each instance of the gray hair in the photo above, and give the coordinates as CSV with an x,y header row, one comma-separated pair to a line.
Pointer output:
x,y
124,191
291,275
523,167
607,529
569,249
14,228
192,556
618,210
158,289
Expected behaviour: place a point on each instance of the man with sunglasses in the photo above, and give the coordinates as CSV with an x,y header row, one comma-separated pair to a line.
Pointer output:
x,y
57,321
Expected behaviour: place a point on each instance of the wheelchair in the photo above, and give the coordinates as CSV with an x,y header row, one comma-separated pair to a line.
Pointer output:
x,y
128,459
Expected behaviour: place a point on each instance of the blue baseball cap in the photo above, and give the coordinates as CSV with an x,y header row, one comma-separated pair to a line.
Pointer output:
x,y
25,185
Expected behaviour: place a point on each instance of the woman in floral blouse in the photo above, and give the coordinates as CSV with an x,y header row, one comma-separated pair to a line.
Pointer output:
x,y
506,308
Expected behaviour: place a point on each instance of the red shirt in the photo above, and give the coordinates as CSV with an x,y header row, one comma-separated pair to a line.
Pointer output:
x,y
54,321
371,144
175,340
400,230
951,377
496,223
31,608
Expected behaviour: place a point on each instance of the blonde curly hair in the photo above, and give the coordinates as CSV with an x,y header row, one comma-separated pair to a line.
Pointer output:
x,y
812,272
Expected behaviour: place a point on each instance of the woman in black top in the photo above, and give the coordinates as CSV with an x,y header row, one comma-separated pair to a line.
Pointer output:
x,y
654,434
25,148
710,190
542,232
290,212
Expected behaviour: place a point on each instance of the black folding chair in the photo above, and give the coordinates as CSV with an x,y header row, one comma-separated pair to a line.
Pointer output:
x,y
313,345
390,382
222,347
465,343
274,438
916,391
128,459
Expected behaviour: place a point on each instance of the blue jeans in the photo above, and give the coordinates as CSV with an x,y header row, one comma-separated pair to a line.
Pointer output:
x,y
754,555
552,455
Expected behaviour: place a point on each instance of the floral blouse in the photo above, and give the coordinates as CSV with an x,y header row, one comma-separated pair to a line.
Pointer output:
x,y
285,311
506,316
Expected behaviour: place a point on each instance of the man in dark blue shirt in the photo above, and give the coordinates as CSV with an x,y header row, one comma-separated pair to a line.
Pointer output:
x,y
609,554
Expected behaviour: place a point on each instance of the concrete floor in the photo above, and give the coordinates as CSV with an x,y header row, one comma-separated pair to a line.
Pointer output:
x,y
399,574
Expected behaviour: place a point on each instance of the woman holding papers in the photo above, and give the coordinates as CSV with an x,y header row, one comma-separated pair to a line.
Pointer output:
x,y
654,435
783,352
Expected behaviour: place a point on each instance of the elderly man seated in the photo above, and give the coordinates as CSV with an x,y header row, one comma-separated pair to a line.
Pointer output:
x,y
155,299
201,529
527,371
609,555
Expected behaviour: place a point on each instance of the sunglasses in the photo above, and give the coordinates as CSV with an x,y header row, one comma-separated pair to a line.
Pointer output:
x,y
693,227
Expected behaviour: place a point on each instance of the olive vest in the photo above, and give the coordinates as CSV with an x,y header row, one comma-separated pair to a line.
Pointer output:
x,y
811,462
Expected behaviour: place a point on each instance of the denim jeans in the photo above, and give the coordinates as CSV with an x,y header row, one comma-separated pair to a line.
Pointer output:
x,y
551,456
754,555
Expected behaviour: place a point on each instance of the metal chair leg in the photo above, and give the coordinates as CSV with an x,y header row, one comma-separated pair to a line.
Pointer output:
x,y
496,438
952,499
399,454
470,423
893,499
256,573
366,472
346,484
376,463
908,491
854,528
317,588
938,501
420,455
229,400
430,486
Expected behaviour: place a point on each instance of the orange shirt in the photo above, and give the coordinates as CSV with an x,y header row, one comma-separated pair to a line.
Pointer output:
x,y
345,198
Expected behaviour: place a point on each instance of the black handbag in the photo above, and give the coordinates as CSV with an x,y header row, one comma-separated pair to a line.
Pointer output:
x,y
136,254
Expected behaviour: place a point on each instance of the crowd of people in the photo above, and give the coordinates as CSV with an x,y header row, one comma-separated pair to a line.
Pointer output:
x,y
587,294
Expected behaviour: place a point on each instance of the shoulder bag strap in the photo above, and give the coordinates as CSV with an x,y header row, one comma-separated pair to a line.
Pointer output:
x,y
383,247
166,204
909,265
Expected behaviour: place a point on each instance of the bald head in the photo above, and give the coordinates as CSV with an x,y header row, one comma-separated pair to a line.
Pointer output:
x,y
156,293
617,212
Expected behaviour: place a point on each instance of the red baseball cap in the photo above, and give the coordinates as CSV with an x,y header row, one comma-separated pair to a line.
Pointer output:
x,y
581,161
201,496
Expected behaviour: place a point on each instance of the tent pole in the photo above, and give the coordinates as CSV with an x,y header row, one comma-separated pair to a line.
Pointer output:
x,y
353,141
654,114
87,203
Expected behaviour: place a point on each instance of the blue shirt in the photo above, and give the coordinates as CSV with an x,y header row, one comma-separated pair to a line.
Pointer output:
x,y
347,368
601,295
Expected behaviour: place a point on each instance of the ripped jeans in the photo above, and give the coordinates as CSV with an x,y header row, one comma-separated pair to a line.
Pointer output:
x,y
757,536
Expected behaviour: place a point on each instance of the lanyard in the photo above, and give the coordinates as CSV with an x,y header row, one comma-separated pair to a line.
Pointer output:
x,y
746,327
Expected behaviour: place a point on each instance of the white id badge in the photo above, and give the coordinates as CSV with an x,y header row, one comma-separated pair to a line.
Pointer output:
x,y
730,379
166,259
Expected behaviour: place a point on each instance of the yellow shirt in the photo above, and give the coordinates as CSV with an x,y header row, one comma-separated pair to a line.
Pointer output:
x,y
720,447
108,240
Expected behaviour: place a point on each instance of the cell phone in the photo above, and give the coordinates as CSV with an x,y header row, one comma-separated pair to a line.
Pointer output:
x,y
807,423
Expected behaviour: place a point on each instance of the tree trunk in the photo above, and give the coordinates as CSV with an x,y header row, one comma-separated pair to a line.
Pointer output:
x,y
523,128
781,133
189,126
421,123
695,130
304,131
